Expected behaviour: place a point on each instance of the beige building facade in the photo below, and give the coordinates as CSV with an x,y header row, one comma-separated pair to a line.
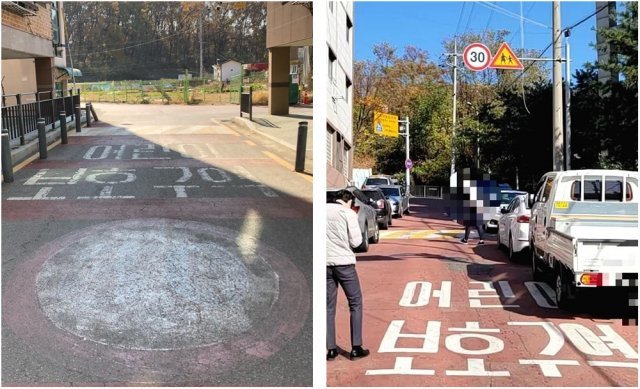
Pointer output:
x,y
289,24
33,47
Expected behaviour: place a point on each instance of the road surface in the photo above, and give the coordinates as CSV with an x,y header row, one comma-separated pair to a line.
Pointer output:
x,y
162,246
441,313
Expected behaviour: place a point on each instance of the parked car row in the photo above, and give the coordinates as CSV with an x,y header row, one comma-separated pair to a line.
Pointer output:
x,y
376,205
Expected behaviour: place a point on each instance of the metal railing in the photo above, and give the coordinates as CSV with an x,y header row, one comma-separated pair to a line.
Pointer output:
x,y
20,112
427,191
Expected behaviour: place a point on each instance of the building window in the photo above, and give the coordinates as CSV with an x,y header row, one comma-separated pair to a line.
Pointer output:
x,y
339,154
332,62
349,27
345,160
347,89
330,132
55,24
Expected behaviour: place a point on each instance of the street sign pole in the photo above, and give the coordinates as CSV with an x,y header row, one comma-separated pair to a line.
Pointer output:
x,y
455,88
407,166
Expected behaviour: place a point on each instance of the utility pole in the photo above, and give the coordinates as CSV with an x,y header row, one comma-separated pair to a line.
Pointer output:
x,y
455,93
200,28
558,148
567,98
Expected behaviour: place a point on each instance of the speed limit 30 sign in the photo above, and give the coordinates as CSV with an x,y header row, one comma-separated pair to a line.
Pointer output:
x,y
476,56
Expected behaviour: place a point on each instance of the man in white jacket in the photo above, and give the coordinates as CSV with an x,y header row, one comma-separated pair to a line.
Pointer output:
x,y
343,234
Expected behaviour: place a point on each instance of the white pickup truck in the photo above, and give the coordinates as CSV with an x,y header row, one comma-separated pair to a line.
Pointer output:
x,y
584,228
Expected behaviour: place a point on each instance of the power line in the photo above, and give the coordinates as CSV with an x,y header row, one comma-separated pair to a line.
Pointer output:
x,y
550,44
509,13
137,45
464,4
586,18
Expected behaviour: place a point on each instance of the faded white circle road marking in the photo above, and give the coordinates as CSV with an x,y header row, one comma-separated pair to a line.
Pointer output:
x,y
156,285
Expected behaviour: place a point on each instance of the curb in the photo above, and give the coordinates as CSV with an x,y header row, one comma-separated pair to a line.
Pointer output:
x,y
251,126
20,154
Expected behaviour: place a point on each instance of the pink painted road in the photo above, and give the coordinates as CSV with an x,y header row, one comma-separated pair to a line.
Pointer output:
x,y
441,313
164,248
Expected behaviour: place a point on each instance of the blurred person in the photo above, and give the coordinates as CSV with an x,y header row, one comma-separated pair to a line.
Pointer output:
x,y
343,235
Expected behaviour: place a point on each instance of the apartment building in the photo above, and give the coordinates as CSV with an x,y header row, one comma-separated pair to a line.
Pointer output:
x,y
340,146
33,47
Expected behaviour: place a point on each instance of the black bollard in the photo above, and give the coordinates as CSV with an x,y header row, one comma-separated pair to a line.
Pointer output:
x,y
78,119
42,139
7,164
63,127
301,148
87,108
93,112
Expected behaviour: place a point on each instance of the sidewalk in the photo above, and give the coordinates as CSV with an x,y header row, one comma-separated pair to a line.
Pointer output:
x,y
282,129
21,153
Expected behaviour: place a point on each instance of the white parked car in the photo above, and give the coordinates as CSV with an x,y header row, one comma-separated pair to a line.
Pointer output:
x,y
506,195
513,226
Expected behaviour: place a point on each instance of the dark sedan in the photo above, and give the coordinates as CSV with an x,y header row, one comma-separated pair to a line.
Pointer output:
x,y
381,205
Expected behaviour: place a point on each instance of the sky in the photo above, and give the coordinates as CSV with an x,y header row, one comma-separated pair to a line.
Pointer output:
x,y
427,24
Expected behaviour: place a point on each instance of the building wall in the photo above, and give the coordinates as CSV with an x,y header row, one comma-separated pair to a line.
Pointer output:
x,y
39,25
230,69
340,92
23,76
288,25
29,57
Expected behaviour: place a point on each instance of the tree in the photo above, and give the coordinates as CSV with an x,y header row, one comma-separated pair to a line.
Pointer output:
x,y
624,43
151,40
405,84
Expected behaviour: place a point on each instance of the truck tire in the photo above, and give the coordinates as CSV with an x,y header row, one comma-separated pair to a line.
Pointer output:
x,y
536,271
562,288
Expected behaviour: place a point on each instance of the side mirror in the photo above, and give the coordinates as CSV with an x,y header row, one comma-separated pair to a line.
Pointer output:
x,y
531,199
503,211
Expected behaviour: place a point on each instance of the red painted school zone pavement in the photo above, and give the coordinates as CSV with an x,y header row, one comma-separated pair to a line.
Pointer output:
x,y
440,313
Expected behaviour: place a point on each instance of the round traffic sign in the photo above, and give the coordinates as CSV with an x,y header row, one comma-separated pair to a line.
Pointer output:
x,y
408,164
476,57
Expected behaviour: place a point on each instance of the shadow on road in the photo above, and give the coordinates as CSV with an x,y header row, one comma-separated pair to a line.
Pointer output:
x,y
122,174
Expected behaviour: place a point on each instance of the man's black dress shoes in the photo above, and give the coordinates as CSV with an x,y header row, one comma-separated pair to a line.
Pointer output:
x,y
358,352
332,354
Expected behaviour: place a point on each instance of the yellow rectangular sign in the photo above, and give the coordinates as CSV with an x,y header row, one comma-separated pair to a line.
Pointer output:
x,y
385,124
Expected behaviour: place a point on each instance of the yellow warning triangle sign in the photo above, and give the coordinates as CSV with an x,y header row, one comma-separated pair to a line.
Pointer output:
x,y
505,59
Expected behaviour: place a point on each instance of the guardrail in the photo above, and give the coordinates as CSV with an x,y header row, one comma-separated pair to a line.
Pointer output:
x,y
21,115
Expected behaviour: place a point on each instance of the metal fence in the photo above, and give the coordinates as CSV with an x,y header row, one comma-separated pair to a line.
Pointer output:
x,y
165,91
427,191
20,112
